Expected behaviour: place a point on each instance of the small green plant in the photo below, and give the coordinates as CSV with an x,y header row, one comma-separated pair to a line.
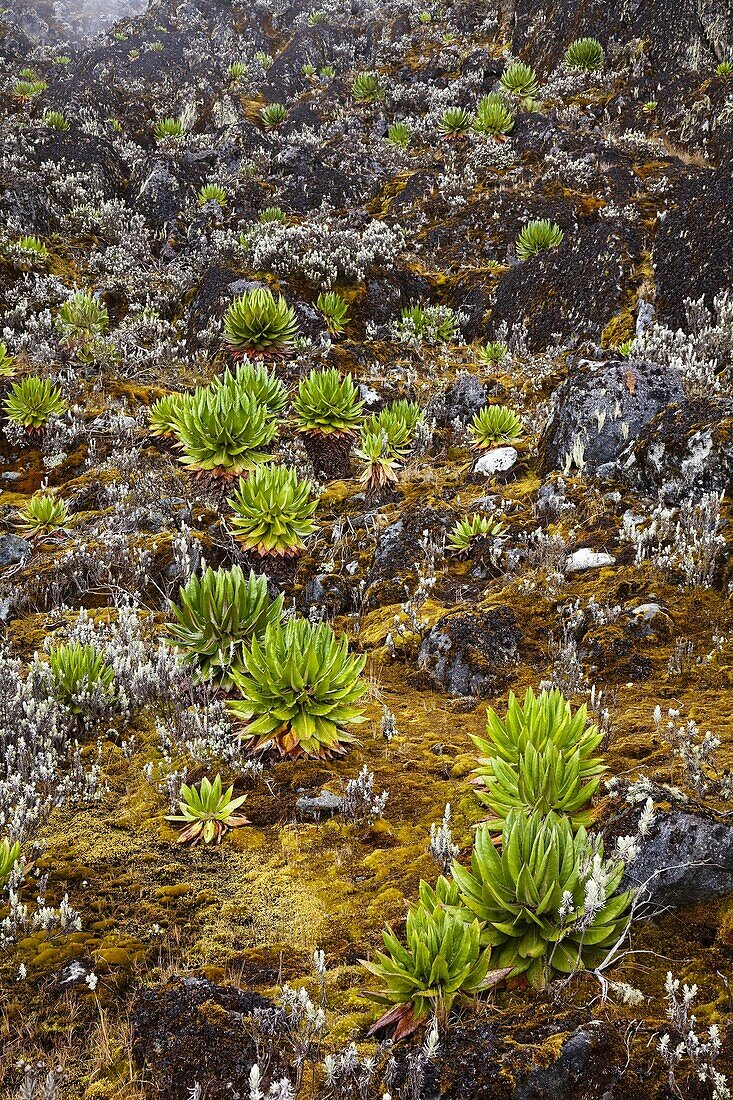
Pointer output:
x,y
271,214
531,896
31,402
493,353
207,813
538,236
300,690
443,963
397,423
327,403
7,362
216,616
494,424
212,192
257,321
28,89
380,462
168,128
264,59
456,122
586,54
43,514
79,672
366,87
81,319
55,121
626,349
257,382
334,309
327,72
724,69
316,17
272,115
650,106
493,116
420,324
465,532
273,511
519,79
30,249
541,756
237,70
223,431
165,414
308,70
9,856
400,134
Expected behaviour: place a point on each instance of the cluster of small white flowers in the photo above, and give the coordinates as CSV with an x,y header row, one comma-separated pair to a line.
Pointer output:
x,y
702,1053
686,539
361,803
441,846
324,250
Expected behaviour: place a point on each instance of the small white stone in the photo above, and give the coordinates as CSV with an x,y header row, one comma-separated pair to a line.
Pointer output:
x,y
497,461
587,559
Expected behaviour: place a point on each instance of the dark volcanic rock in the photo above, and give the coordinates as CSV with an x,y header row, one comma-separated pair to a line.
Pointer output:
x,y
13,549
596,401
573,290
190,1030
685,448
470,653
693,250
398,552
685,860
461,401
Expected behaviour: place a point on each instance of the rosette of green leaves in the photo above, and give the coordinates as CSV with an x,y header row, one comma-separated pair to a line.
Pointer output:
x,y
538,236
216,616
79,671
258,382
257,321
327,403
541,756
207,813
493,116
223,431
519,79
441,963
31,402
586,54
43,514
533,900
9,856
476,526
300,690
165,414
273,511
495,424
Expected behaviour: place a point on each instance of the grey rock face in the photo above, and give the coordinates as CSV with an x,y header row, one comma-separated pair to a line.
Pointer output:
x,y
325,804
685,860
461,401
469,653
605,405
13,549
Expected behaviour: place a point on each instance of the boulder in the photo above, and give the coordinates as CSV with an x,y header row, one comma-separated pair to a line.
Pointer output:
x,y
605,405
461,401
470,653
190,1030
685,860
13,549
686,448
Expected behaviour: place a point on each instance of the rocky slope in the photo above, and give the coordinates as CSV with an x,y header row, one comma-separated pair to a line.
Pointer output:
x,y
148,969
